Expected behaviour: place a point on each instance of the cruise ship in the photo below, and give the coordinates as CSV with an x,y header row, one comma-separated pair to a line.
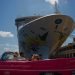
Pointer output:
x,y
42,35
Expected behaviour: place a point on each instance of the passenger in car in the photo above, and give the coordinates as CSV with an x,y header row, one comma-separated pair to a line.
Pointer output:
x,y
35,57
16,55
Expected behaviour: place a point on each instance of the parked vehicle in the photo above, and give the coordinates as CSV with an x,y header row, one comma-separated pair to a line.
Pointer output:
x,y
58,66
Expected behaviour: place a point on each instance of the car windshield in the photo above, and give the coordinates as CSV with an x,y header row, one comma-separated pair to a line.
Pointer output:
x,y
7,56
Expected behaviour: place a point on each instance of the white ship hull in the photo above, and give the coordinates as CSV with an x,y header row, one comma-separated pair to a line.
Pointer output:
x,y
44,35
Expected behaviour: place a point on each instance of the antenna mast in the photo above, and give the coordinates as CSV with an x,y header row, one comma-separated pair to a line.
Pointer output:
x,y
56,8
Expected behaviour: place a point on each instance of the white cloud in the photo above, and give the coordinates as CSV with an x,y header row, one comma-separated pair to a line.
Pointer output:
x,y
11,49
8,47
6,34
52,2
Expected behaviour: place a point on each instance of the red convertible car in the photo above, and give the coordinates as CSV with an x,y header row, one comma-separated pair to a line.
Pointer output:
x,y
59,66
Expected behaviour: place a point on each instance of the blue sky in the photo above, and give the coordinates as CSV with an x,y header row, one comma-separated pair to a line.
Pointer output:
x,y
12,9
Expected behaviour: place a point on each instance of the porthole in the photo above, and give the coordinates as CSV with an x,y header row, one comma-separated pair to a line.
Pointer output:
x,y
58,21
